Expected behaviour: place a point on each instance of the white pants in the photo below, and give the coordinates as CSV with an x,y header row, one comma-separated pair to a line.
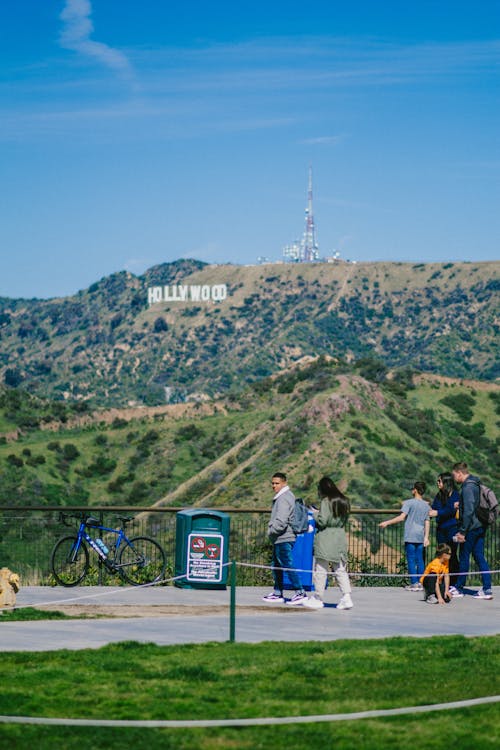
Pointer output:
x,y
321,568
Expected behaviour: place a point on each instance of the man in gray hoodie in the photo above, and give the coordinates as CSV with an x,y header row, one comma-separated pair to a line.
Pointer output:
x,y
283,538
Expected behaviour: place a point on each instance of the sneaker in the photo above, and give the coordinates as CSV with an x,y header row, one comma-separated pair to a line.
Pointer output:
x,y
413,587
299,598
432,599
273,597
456,593
452,589
313,603
482,594
345,602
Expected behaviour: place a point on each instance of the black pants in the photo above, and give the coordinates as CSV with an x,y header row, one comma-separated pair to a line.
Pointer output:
x,y
429,584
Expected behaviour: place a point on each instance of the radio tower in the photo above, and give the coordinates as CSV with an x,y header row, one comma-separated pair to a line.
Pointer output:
x,y
307,250
310,249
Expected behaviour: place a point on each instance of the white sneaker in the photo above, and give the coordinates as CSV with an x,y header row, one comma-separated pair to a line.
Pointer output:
x,y
456,594
345,602
432,599
313,603
482,594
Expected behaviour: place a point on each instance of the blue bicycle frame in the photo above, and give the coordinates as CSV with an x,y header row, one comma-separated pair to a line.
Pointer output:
x,y
84,535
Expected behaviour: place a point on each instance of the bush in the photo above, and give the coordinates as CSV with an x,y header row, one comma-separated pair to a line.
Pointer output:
x,y
14,460
160,325
461,404
70,452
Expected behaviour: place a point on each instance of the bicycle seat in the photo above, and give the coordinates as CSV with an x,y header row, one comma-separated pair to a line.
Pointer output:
x,y
125,519
90,521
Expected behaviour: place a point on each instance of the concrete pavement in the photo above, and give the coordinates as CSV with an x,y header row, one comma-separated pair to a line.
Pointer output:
x,y
202,615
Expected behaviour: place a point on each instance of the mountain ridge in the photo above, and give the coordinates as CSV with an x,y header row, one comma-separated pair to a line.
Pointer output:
x,y
375,432
107,346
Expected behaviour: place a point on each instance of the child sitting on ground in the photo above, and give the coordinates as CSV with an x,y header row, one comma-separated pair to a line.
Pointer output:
x,y
436,577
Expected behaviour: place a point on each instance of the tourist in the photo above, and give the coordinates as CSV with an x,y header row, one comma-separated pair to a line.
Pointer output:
x,y
330,544
415,514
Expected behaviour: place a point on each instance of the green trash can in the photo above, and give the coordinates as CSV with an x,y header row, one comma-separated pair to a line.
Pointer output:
x,y
202,548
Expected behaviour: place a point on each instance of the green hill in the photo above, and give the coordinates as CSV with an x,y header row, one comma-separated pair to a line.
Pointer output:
x,y
107,346
374,430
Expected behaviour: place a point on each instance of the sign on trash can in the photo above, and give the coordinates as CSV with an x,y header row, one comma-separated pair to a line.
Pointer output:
x,y
201,548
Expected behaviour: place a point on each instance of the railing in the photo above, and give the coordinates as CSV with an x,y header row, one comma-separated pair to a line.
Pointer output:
x,y
28,534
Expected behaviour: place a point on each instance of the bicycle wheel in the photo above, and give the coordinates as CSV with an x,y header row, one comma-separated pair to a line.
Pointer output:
x,y
69,565
142,560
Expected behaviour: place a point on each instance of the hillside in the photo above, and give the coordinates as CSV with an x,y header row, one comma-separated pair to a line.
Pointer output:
x,y
375,431
109,347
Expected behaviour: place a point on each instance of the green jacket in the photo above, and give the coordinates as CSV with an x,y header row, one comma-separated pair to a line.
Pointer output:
x,y
330,541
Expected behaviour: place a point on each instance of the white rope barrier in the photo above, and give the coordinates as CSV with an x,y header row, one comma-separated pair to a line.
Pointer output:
x,y
252,722
353,574
108,592
164,581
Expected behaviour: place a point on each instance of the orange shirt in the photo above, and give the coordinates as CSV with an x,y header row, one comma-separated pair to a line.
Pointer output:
x,y
436,566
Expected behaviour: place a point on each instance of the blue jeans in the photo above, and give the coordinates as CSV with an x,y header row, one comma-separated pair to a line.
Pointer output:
x,y
473,545
415,560
282,558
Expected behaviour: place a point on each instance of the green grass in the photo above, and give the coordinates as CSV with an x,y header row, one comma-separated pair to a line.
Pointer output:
x,y
29,614
132,681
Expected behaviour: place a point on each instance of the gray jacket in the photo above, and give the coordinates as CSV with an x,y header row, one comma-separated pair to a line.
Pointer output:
x,y
279,528
469,500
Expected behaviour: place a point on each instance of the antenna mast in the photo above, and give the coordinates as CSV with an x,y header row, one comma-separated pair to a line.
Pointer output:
x,y
310,250
307,250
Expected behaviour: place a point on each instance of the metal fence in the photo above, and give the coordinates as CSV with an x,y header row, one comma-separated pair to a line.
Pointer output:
x,y
376,557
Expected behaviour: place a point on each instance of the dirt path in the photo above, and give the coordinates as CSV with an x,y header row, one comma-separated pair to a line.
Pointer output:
x,y
92,611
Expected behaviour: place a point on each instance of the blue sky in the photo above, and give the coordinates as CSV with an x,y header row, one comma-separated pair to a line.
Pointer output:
x,y
138,132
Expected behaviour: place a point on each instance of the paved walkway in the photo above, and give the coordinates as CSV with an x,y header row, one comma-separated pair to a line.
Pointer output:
x,y
378,613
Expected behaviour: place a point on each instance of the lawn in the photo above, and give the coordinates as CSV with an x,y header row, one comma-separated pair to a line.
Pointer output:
x,y
227,680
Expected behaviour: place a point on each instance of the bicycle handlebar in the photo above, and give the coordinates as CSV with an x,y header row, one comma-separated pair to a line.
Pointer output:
x,y
65,518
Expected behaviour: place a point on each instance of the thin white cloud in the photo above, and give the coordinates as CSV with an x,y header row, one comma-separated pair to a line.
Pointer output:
x,y
323,140
76,33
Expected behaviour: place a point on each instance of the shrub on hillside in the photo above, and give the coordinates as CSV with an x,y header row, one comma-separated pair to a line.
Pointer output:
x,y
461,404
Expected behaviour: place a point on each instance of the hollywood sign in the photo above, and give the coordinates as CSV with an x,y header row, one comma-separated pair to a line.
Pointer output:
x,y
187,293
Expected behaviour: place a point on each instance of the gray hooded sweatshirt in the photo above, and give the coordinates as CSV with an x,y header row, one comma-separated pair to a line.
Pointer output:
x,y
279,528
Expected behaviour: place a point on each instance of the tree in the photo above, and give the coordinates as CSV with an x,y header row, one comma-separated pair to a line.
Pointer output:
x,y
160,325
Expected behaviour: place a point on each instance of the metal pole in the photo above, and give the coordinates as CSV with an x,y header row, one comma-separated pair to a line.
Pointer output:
x,y
100,571
232,606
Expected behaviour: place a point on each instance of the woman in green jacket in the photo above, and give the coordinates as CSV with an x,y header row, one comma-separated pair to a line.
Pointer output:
x,y
330,544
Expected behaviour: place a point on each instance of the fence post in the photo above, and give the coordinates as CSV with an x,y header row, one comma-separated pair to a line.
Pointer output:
x,y
100,572
232,606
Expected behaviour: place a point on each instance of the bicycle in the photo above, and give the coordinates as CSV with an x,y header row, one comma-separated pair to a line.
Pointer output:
x,y
138,560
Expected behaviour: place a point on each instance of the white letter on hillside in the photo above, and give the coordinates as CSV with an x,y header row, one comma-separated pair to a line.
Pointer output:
x,y
219,292
195,293
154,295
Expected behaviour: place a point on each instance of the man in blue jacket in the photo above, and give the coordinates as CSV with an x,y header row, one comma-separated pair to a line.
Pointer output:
x,y
283,538
471,533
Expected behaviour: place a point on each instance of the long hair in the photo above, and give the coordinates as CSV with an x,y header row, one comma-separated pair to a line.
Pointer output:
x,y
447,488
340,505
